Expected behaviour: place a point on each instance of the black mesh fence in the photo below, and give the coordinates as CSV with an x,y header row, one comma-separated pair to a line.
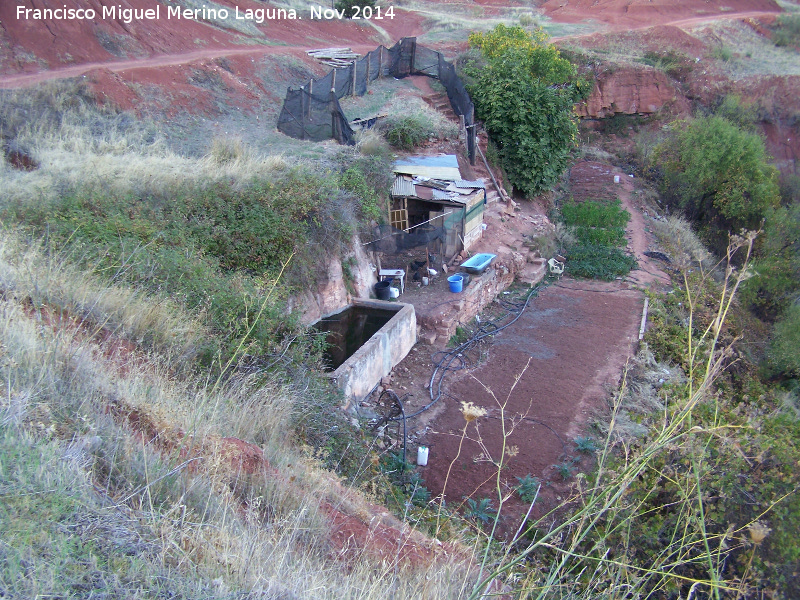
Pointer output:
x,y
390,240
312,112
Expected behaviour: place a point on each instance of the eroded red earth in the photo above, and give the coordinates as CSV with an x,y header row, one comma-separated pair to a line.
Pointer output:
x,y
573,339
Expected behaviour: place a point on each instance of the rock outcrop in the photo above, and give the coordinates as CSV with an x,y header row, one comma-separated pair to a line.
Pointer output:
x,y
337,285
631,90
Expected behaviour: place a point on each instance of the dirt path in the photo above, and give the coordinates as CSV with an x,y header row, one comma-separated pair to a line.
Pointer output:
x,y
590,180
412,27
154,62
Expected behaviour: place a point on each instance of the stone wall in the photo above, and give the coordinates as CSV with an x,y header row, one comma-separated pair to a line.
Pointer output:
x,y
378,356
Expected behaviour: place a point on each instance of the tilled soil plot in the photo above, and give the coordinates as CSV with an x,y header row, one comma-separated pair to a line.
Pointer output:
x,y
571,342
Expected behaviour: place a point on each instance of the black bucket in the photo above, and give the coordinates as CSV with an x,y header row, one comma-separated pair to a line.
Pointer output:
x,y
382,290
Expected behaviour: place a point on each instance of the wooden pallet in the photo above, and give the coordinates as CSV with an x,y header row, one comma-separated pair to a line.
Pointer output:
x,y
334,57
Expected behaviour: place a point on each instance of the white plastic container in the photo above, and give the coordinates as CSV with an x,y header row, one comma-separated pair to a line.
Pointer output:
x,y
422,456
616,178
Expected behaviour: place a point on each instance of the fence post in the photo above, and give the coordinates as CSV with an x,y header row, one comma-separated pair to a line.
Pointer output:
x,y
474,133
334,121
366,83
302,113
353,80
333,82
380,61
310,98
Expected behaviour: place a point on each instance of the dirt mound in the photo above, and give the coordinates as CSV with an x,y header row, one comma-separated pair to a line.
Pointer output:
x,y
659,38
31,45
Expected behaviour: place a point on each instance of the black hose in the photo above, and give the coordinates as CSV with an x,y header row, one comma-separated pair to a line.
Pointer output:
x,y
457,352
445,364
391,417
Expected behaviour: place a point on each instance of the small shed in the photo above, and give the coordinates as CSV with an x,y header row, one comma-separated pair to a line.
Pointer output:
x,y
428,194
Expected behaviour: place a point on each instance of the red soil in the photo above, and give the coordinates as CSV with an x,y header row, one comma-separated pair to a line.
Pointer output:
x,y
574,339
618,15
576,335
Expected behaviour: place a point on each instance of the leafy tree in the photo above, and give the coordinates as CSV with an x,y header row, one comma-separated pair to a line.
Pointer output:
x,y
530,49
719,175
524,92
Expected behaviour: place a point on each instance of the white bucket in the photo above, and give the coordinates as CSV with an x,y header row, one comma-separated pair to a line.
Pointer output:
x,y
616,178
394,292
422,456
424,281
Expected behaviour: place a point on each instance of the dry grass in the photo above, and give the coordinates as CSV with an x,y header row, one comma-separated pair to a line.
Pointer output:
x,y
71,163
676,237
370,142
633,407
132,501
414,116
80,144
61,293
740,52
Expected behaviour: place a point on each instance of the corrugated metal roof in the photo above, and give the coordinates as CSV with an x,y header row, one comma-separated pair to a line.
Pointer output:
x,y
436,160
463,183
444,166
450,196
403,187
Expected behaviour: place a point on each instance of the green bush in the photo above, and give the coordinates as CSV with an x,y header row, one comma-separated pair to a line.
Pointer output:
x,y
524,92
586,444
784,351
528,488
741,114
674,64
480,511
599,262
719,175
407,132
599,229
601,236
411,122
620,124
592,213
215,249
722,53
787,31
776,281
368,178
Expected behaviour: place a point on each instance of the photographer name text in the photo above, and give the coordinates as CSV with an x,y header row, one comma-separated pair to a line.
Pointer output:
x,y
177,13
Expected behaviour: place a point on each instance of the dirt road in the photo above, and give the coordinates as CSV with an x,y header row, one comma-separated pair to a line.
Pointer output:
x,y
410,27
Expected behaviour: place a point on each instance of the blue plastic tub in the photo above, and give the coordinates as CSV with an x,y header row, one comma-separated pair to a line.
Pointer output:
x,y
455,282
478,263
